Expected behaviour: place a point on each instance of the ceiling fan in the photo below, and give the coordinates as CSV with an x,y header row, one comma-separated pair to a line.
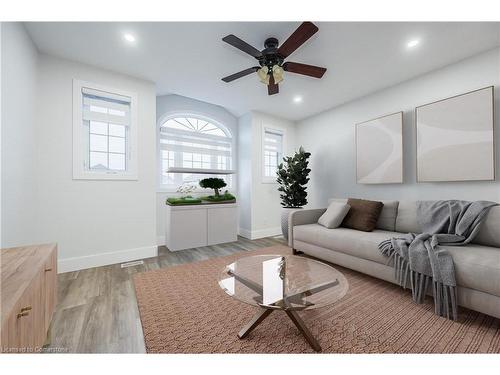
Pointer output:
x,y
272,58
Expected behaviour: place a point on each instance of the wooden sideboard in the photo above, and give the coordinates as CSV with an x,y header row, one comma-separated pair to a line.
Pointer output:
x,y
28,296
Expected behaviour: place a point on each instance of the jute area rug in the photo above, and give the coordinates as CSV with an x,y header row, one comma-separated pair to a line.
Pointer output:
x,y
183,310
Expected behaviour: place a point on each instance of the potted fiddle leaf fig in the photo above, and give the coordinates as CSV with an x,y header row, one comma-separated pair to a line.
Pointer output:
x,y
292,179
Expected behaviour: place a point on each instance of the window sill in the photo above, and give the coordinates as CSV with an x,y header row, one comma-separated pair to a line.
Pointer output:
x,y
200,171
105,176
195,193
270,181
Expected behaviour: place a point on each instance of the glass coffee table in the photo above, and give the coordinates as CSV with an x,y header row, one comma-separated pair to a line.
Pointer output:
x,y
289,283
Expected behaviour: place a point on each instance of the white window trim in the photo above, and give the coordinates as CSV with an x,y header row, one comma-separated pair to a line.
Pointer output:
x,y
277,129
199,191
79,170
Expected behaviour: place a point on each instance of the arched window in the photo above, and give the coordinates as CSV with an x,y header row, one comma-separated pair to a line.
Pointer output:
x,y
189,145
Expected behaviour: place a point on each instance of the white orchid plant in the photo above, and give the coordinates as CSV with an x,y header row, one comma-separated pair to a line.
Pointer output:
x,y
186,188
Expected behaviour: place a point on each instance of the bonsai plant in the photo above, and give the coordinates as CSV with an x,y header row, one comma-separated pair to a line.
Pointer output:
x,y
213,183
292,179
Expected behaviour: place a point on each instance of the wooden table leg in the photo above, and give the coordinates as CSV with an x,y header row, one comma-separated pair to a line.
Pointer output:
x,y
299,323
256,320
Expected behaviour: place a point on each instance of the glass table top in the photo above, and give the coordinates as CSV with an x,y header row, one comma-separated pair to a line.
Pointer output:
x,y
283,282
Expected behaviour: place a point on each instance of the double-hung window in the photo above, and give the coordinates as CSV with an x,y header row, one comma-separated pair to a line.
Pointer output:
x,y
272,145
104,133
191,145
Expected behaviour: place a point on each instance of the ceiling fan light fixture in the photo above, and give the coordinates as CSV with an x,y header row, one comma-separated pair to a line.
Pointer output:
x,y
263,76
278,74
271,65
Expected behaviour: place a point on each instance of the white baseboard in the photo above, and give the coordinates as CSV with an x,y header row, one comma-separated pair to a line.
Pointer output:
x,y
104,259
259,233
245,233
268,232
160,240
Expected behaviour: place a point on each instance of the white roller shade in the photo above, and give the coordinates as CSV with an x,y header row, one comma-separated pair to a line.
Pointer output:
x,y
105,94
273,141
105,107
185,141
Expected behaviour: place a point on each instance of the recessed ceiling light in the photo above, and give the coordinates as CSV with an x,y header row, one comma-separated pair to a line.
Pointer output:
x,y
297,99
129,37
413,43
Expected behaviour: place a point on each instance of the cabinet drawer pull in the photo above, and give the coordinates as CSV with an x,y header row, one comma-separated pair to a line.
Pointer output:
x,y
48,269
25,313
27,308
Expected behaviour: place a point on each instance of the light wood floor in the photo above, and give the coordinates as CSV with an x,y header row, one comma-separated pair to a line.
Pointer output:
x,y
97,309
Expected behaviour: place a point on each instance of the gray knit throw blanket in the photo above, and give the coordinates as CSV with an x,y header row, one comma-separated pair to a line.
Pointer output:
x,y
419,260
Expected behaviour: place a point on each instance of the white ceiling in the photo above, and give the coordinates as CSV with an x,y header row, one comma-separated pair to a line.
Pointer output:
x,y
190,59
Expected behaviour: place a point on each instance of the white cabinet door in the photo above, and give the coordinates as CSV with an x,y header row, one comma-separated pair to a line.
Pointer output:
x,y
222,224
186,228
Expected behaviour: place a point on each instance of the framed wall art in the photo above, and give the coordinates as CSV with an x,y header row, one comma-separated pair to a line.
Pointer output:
x,y
379,150
455,140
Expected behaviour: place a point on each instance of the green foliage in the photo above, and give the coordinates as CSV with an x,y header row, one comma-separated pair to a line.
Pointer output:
x,y
184,200
213,183
292,178
227,196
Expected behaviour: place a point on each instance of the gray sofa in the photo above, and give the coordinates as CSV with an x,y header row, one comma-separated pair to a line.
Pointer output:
x,y
477,265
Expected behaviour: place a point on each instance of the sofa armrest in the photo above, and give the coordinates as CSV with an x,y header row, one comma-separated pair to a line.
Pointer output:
x,y
301,217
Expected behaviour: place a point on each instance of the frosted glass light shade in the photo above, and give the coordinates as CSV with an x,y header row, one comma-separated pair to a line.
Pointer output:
x,y
278,73
262,73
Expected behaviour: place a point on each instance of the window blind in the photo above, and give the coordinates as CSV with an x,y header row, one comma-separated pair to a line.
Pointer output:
x,y
105,107
177,140
273,141
273,150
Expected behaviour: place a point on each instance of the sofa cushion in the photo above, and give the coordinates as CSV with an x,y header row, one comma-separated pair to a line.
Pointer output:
x,y
345,240
334,215
489,232
406,221
387,219
363,214
477,267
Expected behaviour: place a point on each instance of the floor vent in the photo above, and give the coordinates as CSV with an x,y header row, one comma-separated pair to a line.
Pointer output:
x,y
131,264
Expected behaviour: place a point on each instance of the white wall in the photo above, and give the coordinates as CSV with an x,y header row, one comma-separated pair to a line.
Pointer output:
x,y
19,128
264,214
329,136
169,105
94,222
245,143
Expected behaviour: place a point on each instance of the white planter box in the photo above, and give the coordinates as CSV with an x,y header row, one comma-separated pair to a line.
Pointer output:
x,y
200,225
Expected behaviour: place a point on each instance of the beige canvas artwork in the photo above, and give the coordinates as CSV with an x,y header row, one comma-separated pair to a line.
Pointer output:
x,y
455,139
379,150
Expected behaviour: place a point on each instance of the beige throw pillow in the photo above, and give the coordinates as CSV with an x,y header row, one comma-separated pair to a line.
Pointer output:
x,y
334,215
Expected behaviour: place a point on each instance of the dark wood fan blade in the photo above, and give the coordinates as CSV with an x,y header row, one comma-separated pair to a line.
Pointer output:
x,y
243,73
272,88
299,37
242,45
308,70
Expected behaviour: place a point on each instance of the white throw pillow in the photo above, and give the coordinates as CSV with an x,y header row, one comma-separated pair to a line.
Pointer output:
x,y
334,215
